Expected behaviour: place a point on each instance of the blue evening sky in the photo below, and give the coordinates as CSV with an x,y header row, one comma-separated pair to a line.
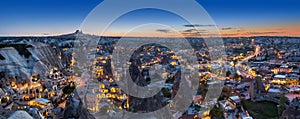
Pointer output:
x,y
48,17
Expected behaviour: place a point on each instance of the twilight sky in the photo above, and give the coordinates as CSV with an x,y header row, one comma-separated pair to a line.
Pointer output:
x,y
233,18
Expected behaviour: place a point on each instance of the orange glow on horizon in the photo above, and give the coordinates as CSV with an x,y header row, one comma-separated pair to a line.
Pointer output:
x,y
291,30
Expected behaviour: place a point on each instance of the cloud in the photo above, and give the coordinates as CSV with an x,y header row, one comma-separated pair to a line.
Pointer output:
x,y
229,34
259,33
189,30
197,34
45,34
227,28
192,34
163,30
194,30
198,25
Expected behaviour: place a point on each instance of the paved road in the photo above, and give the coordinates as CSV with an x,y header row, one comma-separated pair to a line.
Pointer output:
x,y
240,70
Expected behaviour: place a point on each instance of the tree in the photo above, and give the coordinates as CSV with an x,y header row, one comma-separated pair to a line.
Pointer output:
x,y
166,93
226,92
236,76
282,101
217,112
202,88
228,73
69,89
